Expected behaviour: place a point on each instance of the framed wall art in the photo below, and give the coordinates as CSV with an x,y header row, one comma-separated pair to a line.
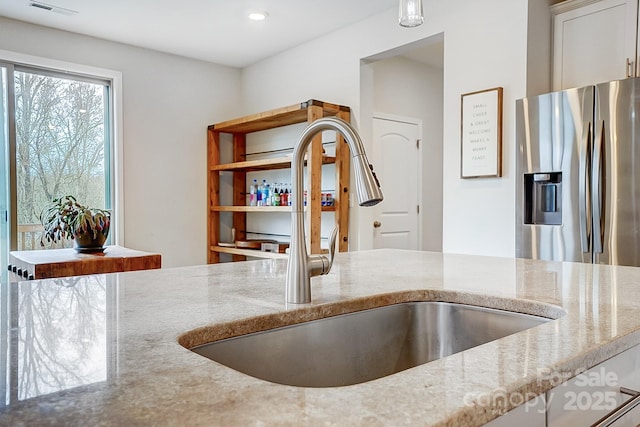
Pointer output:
x,y
481,134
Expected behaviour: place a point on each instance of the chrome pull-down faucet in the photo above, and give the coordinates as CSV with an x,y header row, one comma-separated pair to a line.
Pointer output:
x,y
302,266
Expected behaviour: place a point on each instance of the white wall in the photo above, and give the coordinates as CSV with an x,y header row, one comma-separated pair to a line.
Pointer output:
x,y
539,47
407,88
168,103
485,46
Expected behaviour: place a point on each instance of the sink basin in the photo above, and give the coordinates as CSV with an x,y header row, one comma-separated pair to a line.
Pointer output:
x,y
365,345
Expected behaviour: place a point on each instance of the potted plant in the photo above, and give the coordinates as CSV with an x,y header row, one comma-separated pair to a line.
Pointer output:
x,y
65,218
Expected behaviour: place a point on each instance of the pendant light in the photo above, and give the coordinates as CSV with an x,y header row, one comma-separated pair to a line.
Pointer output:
x,y
410,14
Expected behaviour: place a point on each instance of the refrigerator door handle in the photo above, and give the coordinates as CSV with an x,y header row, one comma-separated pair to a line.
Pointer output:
x,y
583,189
596,193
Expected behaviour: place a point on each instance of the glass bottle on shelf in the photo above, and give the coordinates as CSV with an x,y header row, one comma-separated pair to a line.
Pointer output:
x,y
288,194
253,189
277,189
267,195
261,190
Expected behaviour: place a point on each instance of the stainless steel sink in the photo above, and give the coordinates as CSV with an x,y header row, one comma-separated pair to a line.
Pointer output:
x,y
365,345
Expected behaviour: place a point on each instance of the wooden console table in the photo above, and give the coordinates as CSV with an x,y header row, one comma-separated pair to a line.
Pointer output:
x,y
48,263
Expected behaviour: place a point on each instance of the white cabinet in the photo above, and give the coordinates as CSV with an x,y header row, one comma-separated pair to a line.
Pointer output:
x,y
593,41
584,399
593,394
631,419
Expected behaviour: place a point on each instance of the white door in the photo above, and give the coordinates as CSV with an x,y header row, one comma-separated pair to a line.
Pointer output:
x,y
396,156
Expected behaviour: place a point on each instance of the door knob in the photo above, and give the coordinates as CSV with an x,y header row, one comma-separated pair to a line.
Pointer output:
x,y
377,224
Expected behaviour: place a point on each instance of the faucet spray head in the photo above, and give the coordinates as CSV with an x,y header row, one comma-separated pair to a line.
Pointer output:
x,y
367,185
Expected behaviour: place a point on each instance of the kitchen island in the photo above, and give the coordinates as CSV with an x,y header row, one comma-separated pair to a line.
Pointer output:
x,y
104,349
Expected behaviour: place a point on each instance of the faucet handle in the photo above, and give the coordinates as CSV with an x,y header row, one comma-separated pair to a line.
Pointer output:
x,y
332,247
320,264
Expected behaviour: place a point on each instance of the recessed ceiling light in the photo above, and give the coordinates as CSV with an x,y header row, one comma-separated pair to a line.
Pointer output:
x,y
258,16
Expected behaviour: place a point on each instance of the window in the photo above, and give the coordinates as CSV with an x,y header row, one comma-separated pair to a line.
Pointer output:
x,y
57,141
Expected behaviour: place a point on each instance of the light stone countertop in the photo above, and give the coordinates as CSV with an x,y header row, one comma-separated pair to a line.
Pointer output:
x,y
103,349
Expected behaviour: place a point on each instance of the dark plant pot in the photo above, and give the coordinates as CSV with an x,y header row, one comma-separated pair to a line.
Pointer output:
x,y
86,243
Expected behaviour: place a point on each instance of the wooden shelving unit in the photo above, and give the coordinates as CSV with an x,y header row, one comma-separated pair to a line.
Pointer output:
x,y
264,164
263,208
307,111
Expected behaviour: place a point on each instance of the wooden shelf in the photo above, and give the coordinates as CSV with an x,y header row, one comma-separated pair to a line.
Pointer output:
x,y
248,252
264,164
262,209
254,252
284,116
251,208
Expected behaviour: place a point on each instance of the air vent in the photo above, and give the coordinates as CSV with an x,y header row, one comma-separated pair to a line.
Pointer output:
x,y
52,8
41,6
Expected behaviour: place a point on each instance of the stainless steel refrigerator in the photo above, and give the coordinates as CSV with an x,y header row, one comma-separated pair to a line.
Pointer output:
x,y
578,174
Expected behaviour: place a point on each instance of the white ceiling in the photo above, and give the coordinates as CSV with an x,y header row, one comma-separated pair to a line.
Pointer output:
x,y
212,30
